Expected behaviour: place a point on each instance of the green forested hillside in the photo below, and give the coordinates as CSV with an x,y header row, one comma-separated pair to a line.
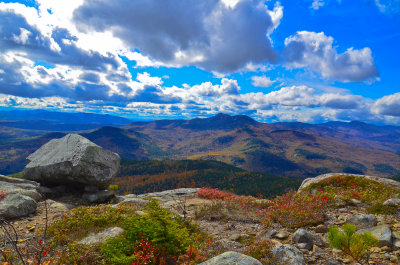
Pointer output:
x,y
154,175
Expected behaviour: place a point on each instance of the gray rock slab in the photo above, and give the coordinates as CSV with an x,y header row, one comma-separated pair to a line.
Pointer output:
x,y
288,254
28,188
102,236
17,205
72,160
170,194
232,258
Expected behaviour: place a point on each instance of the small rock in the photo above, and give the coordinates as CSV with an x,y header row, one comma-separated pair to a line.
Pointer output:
x,y
382,233
102,236
304,238
363,220
17,205
397,243
270,233
392,202
393,258
231,258
304,246
303,235
332,261
321,229
288,254
355,202
282,235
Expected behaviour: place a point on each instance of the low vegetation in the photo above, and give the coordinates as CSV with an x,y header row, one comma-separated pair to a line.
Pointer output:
x,y
353,187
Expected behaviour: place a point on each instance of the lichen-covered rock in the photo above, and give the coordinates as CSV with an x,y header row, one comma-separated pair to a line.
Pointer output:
x,y
72,160
169,194
363,220
386,181
232,258
28,188
288,254
381,232
102,236
17,205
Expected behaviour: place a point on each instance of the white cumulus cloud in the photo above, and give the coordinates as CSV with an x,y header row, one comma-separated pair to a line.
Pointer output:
x,y
316,51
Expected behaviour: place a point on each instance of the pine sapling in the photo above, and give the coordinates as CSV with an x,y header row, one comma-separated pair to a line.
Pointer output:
x,y
354,245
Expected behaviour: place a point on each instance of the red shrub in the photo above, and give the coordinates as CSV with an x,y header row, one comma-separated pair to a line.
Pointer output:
x,y
215,194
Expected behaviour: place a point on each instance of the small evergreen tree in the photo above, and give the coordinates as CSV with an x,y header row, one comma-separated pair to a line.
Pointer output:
x,y
354,245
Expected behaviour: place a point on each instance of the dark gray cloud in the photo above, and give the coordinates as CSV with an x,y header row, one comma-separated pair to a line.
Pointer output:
x,y
315,50
207,33
337,101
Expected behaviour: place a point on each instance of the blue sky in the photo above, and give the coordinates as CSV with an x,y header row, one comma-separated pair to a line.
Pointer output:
x,y
289,60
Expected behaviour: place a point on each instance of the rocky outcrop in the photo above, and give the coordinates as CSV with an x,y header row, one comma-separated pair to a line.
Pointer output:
x,y
72,160
28,188
101,237
307,182
17,205
232,258
169,194
288,254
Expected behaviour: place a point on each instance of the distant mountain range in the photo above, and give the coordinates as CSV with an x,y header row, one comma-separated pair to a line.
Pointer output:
x,y
288,149
42,120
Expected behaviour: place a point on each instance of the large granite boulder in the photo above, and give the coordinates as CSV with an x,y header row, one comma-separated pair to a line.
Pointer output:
x,y
72,160
385,181
232,258
17,205
363,221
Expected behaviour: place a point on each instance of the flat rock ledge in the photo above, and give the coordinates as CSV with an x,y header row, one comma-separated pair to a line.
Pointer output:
x,y
232,258
28,188
388,182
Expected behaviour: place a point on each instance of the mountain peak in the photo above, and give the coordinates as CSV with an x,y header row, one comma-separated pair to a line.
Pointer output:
x,y
220,121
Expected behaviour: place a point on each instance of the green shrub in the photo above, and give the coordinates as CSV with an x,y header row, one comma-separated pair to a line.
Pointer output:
x,y
379,208
84,220
354,245
166,238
